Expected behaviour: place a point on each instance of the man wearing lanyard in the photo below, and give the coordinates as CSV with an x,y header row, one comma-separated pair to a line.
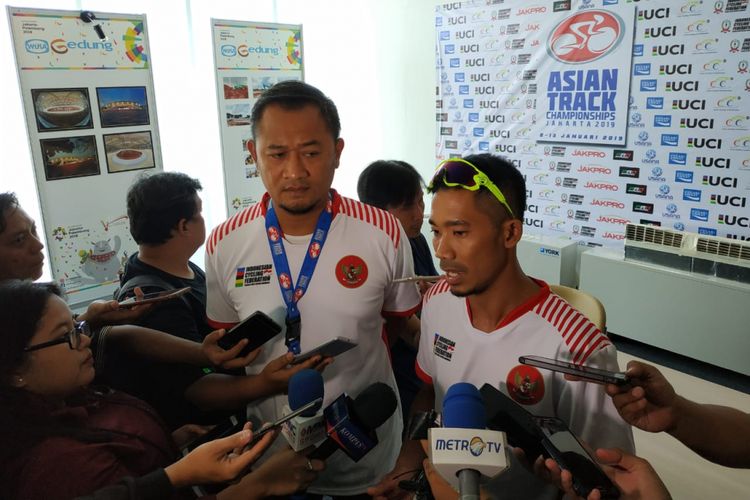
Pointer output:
x,y
317,262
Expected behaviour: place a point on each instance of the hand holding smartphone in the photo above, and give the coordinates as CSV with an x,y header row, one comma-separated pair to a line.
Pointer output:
x,y
584,372
330,349
258,328
257,435
150,298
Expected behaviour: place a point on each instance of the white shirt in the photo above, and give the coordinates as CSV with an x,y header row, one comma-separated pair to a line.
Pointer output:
x,y
350,291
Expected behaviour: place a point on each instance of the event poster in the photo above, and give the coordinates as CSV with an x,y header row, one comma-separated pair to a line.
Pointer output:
x,y
249,58
91,120
586,76
685,162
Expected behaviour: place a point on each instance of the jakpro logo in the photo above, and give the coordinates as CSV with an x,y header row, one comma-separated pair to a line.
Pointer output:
x,y
37,46
648,85
662,120
677,158
684,176
699,214
585,36
670,140
654,102
642,69
691,195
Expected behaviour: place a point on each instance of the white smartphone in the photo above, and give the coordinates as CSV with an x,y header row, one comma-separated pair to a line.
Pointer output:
x,y
150,298
331,348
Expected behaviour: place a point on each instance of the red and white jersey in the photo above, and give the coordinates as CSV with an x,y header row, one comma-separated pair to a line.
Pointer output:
x,y
451,350
350,291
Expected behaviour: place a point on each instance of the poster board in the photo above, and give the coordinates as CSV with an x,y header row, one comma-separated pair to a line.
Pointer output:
x,y
91,119
685,164
248,58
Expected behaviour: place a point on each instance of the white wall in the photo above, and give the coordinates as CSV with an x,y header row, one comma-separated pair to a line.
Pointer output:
x,y
374,58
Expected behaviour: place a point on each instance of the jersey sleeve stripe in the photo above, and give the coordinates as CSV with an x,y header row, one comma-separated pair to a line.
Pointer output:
x,y
563,318
403,314
218,324
600,343
229,225
580,338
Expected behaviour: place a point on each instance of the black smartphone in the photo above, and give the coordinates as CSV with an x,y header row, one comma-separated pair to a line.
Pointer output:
x,y
504,414
331,348
565,449
223,429
258,328
584,372
150,298
266,428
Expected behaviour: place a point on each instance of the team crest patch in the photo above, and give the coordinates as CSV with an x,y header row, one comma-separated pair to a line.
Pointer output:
x,y
252,275
525,385
351,271
443,347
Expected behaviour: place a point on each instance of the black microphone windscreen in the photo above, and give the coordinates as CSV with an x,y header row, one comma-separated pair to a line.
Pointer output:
x,y
375,405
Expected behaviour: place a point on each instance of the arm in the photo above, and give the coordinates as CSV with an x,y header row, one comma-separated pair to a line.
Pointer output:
x,y
405,327
653,406
411,456
218,392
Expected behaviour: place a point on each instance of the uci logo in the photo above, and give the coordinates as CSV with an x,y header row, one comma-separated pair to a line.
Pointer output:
x,y
228,50
37,46
585,36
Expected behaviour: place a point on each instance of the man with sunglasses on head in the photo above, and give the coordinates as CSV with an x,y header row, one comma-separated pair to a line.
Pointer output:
x,y
486,312
321,264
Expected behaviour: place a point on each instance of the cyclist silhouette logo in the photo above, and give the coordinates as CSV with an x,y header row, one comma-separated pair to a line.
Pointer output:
x,y
585,36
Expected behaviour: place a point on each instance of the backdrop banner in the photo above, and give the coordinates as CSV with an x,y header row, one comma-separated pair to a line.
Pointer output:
x,y
534,81
249,57
90,111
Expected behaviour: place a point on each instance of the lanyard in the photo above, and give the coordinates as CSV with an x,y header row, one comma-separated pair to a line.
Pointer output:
x,y
289,292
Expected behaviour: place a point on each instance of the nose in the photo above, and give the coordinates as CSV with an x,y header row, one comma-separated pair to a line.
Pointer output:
x,y
85,342
442,247
295,167
37,245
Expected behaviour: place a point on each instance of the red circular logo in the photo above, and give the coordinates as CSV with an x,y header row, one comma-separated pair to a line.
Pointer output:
x,y
585,36
525,385
351,271
273,234
298,294
314,250
285,280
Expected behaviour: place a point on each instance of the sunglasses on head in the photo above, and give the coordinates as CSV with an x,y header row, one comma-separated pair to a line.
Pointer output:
x,y
457,172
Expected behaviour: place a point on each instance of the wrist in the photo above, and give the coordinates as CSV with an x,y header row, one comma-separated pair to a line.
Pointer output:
x,y
680,410
177,474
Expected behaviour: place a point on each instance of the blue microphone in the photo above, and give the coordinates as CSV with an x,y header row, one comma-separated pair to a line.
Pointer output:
x,y
309,427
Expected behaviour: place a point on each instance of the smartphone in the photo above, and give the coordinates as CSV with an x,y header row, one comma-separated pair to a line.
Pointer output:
x,y
258,328
266,428
565,449
150,298
584,372
223,429
504,414
331,348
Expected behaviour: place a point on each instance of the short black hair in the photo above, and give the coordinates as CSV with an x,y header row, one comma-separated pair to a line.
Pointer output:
x,y
293,95
503,174
389,183
8,201
158,202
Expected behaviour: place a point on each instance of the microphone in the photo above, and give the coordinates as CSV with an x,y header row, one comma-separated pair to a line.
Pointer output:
x,y
463,450
351,424
308,428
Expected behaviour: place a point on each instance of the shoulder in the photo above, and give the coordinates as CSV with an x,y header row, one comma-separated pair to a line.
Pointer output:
x,y
373,217
580,336
237,221
438,289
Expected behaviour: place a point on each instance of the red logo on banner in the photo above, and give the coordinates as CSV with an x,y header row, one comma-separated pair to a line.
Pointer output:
x,y
585,37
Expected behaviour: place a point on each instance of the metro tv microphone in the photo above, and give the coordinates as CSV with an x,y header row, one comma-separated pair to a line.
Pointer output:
x,y
308,428
351,424
463,450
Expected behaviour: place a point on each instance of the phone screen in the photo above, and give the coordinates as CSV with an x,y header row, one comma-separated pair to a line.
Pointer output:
x,y
570,454
258,328
587,372
332,348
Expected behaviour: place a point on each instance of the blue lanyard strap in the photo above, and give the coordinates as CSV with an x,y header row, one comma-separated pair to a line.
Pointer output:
x,y
289,292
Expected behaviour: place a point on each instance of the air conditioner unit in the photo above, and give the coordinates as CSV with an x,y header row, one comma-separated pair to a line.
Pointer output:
x,y
655,245
550,259
723,258
710,255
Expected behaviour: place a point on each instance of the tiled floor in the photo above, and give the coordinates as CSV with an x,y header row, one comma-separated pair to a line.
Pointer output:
x,y
687,475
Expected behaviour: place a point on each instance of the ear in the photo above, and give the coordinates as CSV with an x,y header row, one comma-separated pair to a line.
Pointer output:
x,y
512,230
182,226
252,149
339,147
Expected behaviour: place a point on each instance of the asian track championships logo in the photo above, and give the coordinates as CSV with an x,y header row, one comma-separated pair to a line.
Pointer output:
x,y
585,36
